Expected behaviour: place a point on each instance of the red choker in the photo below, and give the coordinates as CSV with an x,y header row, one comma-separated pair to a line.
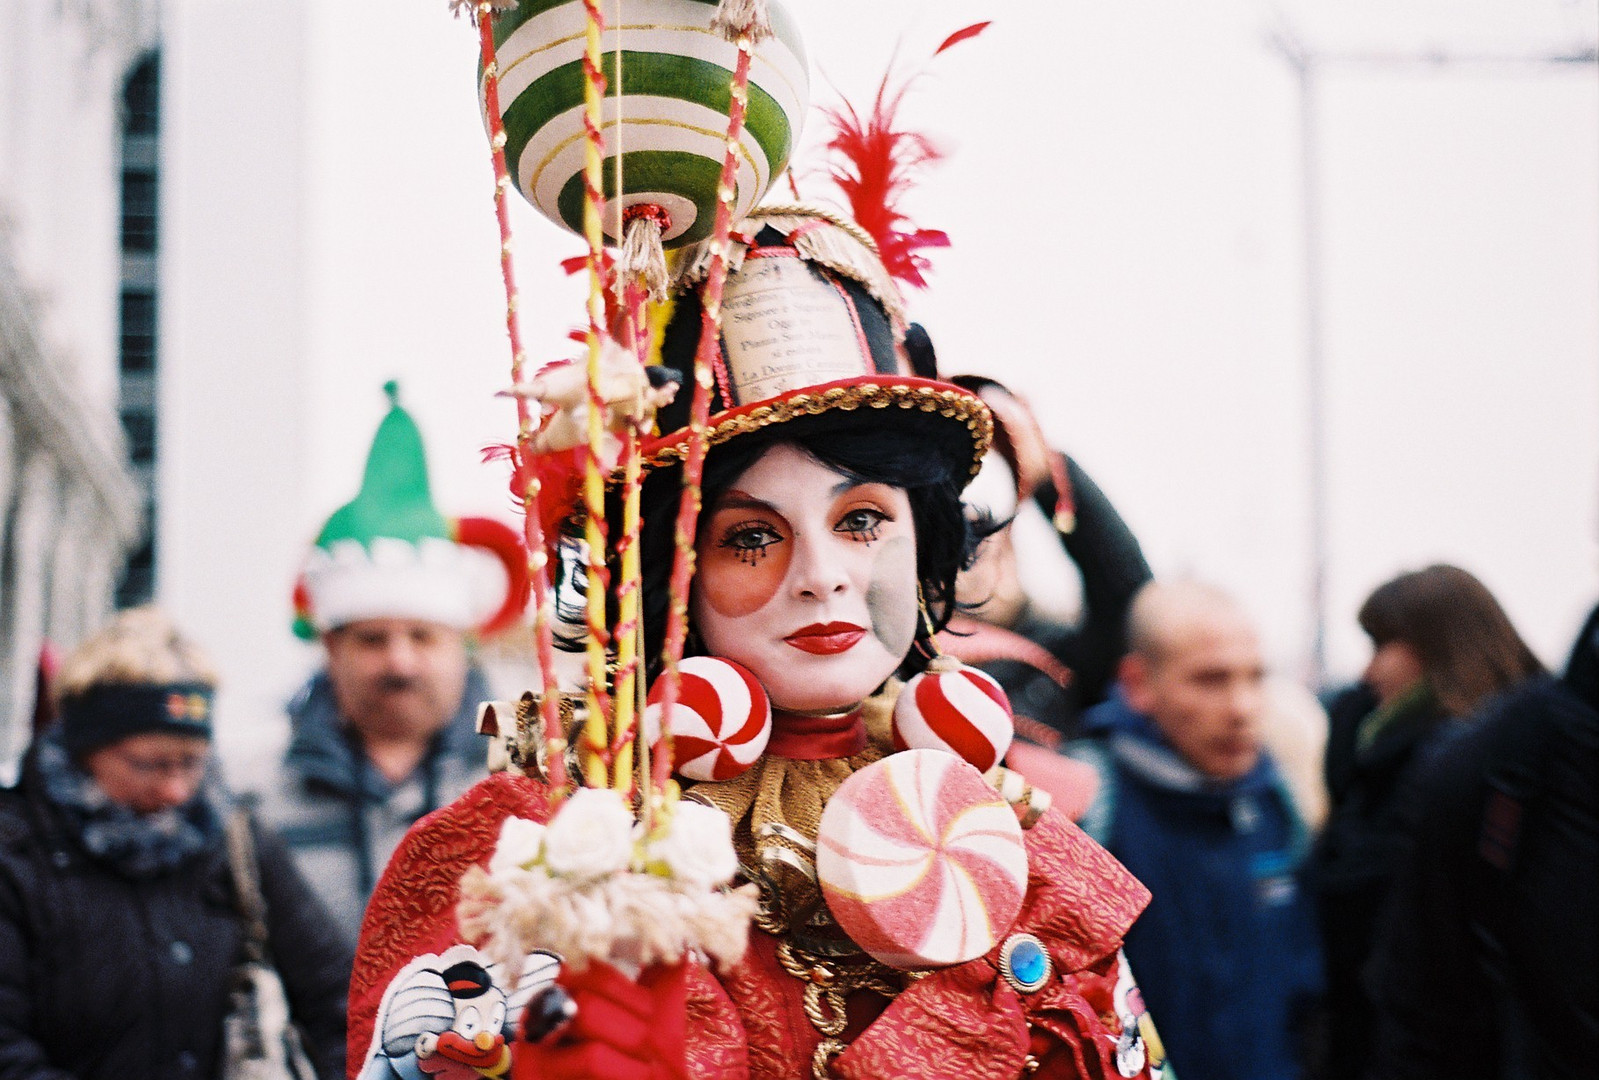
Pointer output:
x,y
816,738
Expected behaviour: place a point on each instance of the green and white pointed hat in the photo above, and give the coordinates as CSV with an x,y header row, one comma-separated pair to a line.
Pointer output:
x,y
390,553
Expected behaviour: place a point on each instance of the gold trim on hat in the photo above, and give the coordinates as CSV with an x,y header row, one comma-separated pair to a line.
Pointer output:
x,y
951,403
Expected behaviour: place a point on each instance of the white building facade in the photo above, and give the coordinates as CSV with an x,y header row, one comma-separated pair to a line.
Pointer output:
x,y
70,503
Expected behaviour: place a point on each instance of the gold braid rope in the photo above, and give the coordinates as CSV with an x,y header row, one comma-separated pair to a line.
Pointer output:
x,y
596,735
828,985
950,404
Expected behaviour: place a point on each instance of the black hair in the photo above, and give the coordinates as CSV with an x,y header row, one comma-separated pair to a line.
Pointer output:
x,y
919,350
946,539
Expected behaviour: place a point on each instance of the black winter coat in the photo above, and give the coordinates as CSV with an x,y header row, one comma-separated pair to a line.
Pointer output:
x,y
1489,964
1357,855
105,978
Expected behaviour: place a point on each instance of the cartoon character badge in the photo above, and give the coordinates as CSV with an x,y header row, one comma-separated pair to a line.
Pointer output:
x,y
1139,1044
452,1016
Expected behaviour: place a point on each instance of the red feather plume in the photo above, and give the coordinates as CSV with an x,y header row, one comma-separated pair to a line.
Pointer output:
x,y
876,163
963,34
560,476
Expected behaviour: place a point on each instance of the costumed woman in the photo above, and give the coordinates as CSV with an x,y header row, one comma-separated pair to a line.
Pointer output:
x,y
825,558
121,928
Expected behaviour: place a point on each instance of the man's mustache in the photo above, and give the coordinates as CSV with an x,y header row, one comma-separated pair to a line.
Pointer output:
x,y
397,684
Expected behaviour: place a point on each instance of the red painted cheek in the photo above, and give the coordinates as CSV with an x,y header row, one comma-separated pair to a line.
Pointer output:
x,y
733,586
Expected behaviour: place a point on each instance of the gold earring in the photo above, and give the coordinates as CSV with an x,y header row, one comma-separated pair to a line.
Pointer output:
x,y
927,622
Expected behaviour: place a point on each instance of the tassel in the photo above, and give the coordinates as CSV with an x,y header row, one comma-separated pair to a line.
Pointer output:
x,y
819,235
735,18
469,7
1065,516
642,260
692,264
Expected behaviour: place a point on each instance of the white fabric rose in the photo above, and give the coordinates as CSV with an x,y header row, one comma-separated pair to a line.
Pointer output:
x,y
518,846
590,836
698,848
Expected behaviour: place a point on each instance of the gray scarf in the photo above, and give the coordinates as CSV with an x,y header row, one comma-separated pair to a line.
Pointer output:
x,y
138,846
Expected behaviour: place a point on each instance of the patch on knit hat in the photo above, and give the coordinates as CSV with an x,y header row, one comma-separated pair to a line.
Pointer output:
x,y
109,712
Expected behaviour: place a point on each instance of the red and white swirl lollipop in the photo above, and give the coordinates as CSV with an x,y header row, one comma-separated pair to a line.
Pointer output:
x,y
957,709
722,721
920,860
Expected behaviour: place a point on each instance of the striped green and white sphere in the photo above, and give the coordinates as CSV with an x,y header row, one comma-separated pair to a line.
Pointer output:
x,y
669,123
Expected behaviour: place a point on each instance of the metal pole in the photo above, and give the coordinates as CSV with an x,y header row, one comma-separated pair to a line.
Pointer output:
x,y
1315,362
1306,64
1303,63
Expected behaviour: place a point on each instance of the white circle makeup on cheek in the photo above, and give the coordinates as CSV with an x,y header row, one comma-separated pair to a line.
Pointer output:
x,y
891,597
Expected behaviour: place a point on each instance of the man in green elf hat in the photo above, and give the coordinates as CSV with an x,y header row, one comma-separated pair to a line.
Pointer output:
x,y
385,732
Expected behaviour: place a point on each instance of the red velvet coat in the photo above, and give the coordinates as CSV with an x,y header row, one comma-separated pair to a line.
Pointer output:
x,y
964,1021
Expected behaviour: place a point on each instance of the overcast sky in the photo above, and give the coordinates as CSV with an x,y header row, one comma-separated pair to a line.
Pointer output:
x,y
1125,195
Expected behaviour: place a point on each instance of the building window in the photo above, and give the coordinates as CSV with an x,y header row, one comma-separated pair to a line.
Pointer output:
x,y
138,332
138,209
139,353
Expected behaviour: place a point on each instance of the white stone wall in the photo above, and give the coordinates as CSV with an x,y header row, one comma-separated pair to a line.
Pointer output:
x,y
68,508
342,236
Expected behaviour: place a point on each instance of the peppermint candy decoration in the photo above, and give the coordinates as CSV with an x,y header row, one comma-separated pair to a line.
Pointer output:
x,y
921,862
957,709
722,721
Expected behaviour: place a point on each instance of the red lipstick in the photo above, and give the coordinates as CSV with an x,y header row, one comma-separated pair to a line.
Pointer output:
x,y
826,639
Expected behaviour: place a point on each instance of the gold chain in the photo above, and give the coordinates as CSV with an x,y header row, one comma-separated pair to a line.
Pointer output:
x,y
828,986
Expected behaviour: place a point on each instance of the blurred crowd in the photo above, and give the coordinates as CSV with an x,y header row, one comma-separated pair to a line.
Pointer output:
x,y
1396,879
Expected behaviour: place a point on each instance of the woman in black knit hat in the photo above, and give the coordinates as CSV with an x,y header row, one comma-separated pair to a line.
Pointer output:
x,y
119,928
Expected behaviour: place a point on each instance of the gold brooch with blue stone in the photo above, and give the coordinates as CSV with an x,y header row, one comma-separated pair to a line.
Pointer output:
x,y
1025,963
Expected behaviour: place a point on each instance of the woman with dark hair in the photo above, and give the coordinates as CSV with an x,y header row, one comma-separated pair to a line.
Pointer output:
x,y
1441,646
1480,971
1439,633
1076,666
946,539
825,558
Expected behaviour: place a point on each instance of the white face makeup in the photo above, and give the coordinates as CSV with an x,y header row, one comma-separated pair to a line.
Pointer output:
x,y
808,579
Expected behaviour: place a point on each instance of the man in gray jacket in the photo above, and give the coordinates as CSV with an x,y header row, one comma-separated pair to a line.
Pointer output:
x,y
385,733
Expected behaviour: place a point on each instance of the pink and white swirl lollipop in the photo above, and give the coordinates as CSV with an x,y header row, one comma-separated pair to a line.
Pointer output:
x,y
722,721
921,861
